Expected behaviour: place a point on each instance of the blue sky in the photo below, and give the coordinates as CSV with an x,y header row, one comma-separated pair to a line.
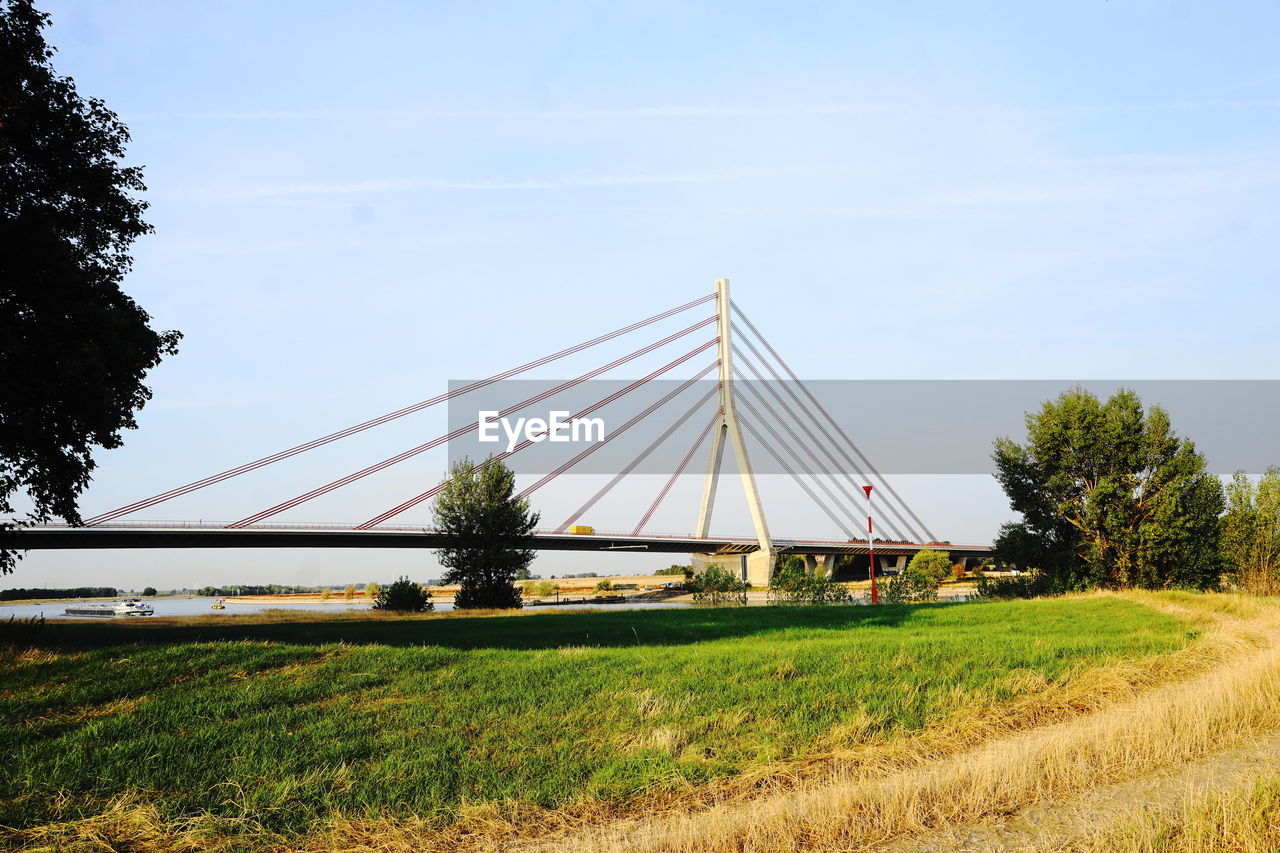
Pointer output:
x,y
356,203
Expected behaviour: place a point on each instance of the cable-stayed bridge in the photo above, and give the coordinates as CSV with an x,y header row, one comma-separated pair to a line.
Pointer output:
x,y
750,406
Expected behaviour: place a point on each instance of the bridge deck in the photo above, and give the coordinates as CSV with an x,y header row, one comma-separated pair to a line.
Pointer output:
x,y
208,535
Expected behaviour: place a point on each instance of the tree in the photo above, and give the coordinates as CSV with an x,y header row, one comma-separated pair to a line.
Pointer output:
x,y
790,584
371,590
349,592
604,585
1251,532
326,594
74,349
150,591
930,564
911,586
490,529
404,596
717,585
1110,496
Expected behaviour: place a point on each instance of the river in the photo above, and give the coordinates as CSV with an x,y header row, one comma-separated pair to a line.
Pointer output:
x,y
197,605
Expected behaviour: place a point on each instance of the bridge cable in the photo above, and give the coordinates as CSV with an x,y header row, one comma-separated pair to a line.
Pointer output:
x,y
432,492
889,505
746,425
702,436
840,430
614,434
816,466
436,442
633,464
831,498
382,419
843,500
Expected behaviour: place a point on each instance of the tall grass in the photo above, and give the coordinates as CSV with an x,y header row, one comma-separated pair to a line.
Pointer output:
x,y
284,727
865,803
1242,819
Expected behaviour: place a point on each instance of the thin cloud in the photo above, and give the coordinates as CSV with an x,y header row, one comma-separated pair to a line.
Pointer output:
x,y
690,111
397,185
1123,188
694,111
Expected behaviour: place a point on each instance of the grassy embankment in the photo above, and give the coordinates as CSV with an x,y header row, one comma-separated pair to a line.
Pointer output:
x,y
290,726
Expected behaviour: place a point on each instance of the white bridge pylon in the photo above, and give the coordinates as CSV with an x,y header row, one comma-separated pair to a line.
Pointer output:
x,y
760,563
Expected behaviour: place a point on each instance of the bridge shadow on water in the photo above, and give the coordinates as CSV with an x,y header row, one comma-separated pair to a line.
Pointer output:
x,y
625,628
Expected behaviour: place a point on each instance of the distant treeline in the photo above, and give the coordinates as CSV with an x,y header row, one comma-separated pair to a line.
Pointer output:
x,y
75,592
261,589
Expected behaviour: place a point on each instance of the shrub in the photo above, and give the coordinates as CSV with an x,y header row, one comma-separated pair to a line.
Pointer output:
x,y
149,591
1028,585
21,630
350,592
544,588
790,585
930,564
371,590
325,594
403,596
604,585
910,587
717,586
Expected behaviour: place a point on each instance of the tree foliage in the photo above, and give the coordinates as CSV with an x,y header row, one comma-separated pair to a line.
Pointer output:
x,y
1251,532
717,585
1031,584
1110,496
911,587
791,585
403,596
934,565
73,592
74,349
490,529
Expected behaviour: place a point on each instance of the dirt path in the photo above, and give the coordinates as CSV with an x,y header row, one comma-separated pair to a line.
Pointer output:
x,y
1059,825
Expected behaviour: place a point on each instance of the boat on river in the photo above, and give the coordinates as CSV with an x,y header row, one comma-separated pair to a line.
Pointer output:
x,y
128,607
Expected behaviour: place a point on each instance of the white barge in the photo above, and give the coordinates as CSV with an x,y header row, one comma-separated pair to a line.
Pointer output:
x,y
128,607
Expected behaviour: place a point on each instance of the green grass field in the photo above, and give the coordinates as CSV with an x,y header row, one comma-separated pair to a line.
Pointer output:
x,y
291,722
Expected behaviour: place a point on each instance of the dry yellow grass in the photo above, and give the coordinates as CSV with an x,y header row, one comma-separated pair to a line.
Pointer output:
x,y
1245,819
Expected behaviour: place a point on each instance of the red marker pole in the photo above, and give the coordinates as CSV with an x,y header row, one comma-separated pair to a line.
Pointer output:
x,y
871,549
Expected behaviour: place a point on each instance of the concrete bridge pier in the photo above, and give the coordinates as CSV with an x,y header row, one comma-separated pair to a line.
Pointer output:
x,y
760,565
897,564
819,565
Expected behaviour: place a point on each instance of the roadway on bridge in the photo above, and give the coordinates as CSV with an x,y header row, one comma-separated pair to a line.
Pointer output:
x,y
208,535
